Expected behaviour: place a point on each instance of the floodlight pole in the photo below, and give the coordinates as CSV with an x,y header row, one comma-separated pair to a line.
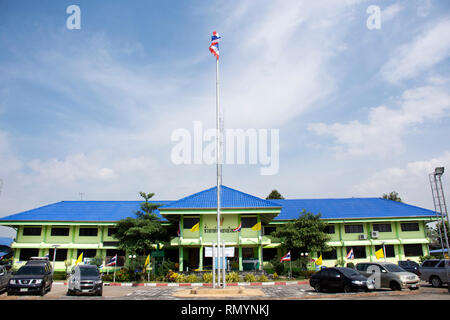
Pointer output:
x,y
219,171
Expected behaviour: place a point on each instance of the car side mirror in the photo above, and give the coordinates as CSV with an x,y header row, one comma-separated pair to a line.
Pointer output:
x,y
383,271
338,276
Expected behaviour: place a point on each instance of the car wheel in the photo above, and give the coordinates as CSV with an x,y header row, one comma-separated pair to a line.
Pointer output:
x,y
100,293
43,290
436,282
317,287
395,286
347,288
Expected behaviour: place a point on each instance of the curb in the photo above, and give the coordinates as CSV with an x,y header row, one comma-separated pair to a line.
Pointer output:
x,y
196,284
364,294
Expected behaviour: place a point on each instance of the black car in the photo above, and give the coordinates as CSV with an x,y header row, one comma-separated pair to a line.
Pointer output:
x,y
33,278
410,266
340,279
4,278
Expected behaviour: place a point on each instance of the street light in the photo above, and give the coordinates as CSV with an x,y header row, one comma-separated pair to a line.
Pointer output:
x,y
54,256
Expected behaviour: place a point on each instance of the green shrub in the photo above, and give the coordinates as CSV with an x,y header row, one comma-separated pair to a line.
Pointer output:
x,y
277,266
192,278
59,275
181,278
207,277
275,275
262,278
351,265
232,277
250,277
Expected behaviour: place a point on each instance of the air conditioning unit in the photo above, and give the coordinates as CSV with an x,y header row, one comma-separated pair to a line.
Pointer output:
x,y
362,237
374,234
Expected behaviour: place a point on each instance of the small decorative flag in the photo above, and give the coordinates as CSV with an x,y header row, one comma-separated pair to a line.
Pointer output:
x,y
147,261
178,231
80,258
350,254
238,229
379,254
319,261
112,261
214,47
196,227
257,226
287,257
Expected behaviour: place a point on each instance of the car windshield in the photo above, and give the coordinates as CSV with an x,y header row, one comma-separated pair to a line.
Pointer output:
x,y
393,268
37,270
349,272
89,272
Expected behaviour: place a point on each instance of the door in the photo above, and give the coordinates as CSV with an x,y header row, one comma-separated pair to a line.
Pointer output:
x,y
193,258
334,279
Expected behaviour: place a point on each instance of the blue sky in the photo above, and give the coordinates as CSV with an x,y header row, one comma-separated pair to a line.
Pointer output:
x,y
360,112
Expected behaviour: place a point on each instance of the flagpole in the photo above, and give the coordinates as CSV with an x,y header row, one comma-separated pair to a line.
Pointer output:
x,y
218,169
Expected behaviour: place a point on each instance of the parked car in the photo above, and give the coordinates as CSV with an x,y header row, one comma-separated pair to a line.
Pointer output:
x,y
391,275
85,279
4,278
31,278
410,266
39,261
435,271
340,279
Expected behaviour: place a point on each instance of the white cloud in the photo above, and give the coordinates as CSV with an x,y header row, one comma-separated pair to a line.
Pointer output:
x,y
386,127
411,181
390,12
424,52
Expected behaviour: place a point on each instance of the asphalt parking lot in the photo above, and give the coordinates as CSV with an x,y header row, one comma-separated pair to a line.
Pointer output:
x,y
295,292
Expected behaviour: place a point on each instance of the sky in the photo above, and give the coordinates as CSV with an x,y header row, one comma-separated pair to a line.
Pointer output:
x,y
360,111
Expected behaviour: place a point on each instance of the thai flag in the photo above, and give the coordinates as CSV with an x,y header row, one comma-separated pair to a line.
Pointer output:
x,y
350,254
287,257
238,229
112,261
214,47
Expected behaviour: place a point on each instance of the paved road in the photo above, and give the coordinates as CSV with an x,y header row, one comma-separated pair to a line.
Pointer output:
x,y
58,292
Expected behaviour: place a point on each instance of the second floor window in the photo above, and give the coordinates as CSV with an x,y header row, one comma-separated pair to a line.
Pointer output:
x,y
32,231
88,232
414,226
60,232
382,227
354,228
248,222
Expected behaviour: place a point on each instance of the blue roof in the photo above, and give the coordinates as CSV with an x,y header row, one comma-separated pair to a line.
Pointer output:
x,y
350,208
103,211
229,198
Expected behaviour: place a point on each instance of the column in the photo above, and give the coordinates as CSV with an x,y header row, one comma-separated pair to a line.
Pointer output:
x,y
260,257
180,259
200,260
241,268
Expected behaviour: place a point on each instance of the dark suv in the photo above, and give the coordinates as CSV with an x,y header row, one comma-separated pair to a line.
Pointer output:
x,y
85,279
410,266
32,278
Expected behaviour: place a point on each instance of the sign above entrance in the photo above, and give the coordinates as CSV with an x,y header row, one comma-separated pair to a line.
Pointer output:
x,y
229,252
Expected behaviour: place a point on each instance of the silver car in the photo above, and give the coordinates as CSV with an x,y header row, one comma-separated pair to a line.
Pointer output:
x,y
389,275
435,271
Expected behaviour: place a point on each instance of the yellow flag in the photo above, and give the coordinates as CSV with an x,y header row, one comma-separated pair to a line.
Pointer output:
x,y
319,261
196,227
379,254
80,258
257,226
147,261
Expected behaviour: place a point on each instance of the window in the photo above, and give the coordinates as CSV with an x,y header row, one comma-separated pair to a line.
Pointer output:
x,y
413,226
329,229
26,254
441,264
60,232
112,231
248,222
413,250
362,267
269,254
188,223
32,231
382,227
269,230
248,253
87,253
430,263
329,255
354,228
61,254
389,250
88,232
358,251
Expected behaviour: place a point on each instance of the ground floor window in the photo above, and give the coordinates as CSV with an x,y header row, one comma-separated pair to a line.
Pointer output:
x,y
61,254
413,250
248,253
358,251
26,254
87,253
269,254
330,255
389,250
120,256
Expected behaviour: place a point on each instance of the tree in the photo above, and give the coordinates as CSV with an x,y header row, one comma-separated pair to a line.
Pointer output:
x,y
305,234
392,196
274,195
140,234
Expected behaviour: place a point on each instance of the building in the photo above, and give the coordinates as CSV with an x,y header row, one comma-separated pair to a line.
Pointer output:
x,y
361,224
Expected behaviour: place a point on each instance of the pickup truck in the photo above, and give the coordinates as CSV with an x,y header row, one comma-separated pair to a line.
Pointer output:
x,y
435,271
